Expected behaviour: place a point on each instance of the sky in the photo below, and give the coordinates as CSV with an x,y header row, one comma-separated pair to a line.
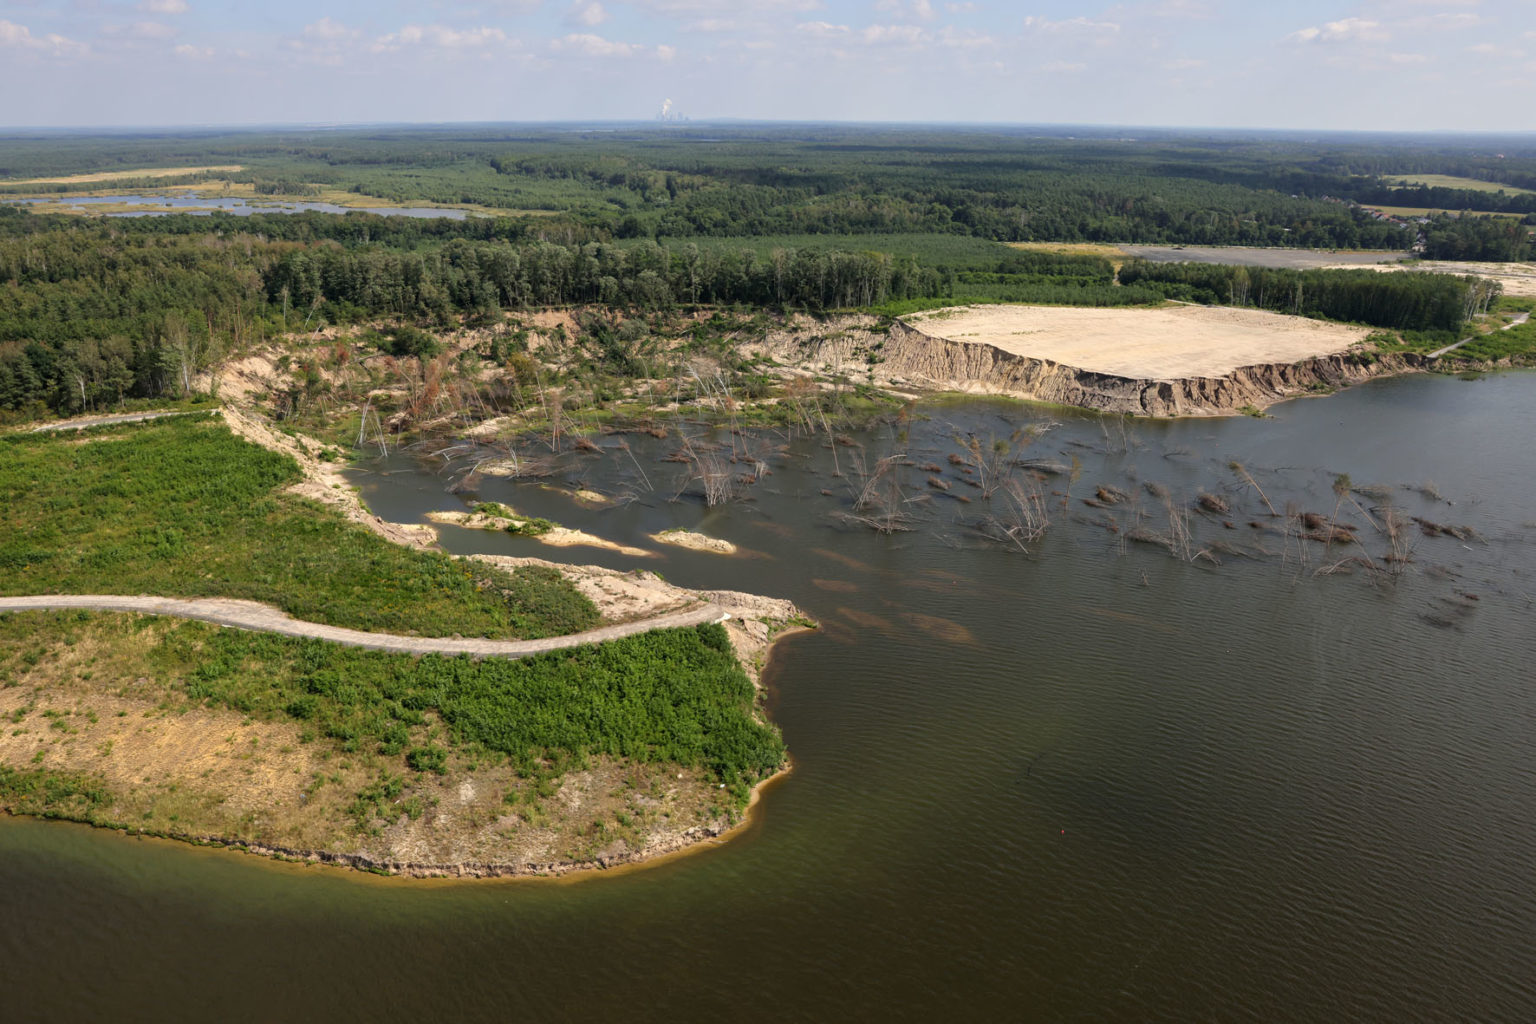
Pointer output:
x,y
1307,64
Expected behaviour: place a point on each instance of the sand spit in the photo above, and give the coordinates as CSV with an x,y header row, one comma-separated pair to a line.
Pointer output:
x,y
556,537
695,542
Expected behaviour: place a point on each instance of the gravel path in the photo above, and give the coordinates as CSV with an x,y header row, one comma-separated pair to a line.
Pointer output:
x,y
264,618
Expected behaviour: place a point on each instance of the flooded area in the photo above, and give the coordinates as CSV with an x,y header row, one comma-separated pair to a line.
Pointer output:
x,y
1107,720
161,204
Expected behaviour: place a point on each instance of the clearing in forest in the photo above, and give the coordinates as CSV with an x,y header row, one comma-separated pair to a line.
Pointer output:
x,y
1452,181
152,172
1166,343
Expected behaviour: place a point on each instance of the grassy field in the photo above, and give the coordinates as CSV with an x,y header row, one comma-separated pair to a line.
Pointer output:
x,y
1430,211
181,507
1451,181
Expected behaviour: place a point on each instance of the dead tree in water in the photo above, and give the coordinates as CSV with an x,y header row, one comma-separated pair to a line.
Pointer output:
x,y
711,468
880,503
1023,519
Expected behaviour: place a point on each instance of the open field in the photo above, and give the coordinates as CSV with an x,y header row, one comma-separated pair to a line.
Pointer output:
x,y
1430,211
1157,344
1253,256
153,172
1451,181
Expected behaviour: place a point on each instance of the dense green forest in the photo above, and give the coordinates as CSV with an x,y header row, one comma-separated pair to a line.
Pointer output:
x,y
95,312
1025,184
1496,239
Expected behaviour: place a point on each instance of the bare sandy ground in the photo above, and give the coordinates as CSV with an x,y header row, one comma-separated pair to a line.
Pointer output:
x,y
1150,344
1517,278
152,172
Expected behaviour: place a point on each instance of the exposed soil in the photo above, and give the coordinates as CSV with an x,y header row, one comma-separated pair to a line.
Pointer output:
x,y
1156,344
980,351
1517,278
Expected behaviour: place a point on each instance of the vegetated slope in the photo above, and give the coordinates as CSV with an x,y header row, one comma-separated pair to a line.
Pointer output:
x,y
181,507
430,764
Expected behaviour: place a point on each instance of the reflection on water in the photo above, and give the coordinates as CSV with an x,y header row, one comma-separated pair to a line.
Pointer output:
x,y
1095,781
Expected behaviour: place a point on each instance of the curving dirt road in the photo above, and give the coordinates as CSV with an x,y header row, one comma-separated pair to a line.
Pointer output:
x,y
264,618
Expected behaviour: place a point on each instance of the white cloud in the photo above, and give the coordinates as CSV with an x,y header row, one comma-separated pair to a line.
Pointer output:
x,y
329,29
921,10
1183,64
163,6
1033,24
1342,31
962,8
189,52
708,8
589,45
440,37
150,30
588,14
895,35
823,30
20,37
967,39
1062,67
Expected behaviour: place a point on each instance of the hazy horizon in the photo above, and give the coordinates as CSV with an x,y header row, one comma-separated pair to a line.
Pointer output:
x,y
1316,65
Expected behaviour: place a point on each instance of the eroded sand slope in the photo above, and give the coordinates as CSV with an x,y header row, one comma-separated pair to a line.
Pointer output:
x,y
1143,344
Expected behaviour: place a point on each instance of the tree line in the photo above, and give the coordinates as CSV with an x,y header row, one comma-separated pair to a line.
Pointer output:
x,y
1400,301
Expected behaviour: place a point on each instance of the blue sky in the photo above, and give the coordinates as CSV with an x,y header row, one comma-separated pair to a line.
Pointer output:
x,y
1326,64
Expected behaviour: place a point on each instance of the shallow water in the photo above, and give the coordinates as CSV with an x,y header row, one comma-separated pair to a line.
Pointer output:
x,y
191,202
1089,782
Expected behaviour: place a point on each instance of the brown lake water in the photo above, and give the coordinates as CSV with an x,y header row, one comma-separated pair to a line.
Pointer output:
x,y
1091,782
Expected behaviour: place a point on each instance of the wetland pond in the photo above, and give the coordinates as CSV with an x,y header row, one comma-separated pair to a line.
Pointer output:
x,y
1101,780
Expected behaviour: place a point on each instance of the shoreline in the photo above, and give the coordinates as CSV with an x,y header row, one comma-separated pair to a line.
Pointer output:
x,y
362,869
359,866
630,602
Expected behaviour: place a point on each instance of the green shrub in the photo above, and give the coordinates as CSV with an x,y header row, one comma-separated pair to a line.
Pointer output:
x,y
428,759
